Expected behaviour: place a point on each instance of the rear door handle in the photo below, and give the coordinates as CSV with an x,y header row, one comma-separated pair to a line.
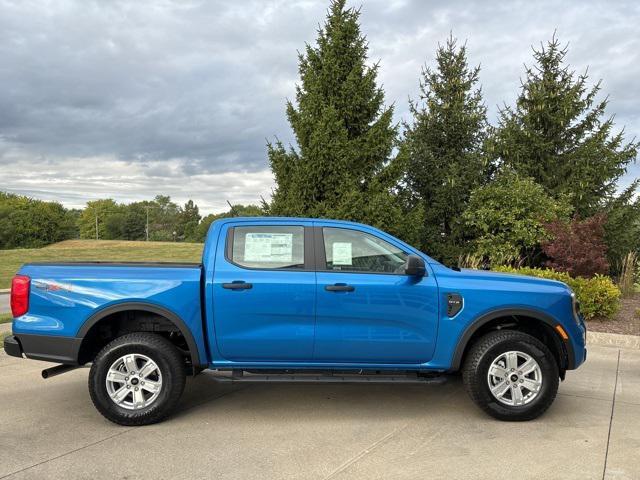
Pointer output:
x,y
237,285
340,287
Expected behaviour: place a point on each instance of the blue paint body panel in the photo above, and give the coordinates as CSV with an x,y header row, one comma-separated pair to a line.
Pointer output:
x,y
63,297
287,319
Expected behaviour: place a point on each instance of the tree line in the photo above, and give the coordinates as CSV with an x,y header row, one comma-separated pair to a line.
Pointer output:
x,y
532,189
30,223
447,180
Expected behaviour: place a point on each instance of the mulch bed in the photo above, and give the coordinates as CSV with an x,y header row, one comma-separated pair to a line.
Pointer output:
x,y
626,321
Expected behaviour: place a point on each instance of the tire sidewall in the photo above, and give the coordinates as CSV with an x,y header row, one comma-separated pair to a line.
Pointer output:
x,y
548,369
98,388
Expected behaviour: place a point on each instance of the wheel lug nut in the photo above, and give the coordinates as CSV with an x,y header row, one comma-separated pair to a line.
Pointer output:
x,y
126,379
142,383
521,381
136,389
128,386
140,375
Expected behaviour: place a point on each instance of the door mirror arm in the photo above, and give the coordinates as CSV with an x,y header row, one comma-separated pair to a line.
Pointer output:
x,y
415,266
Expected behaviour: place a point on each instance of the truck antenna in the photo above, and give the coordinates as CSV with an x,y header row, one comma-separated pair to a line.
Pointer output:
x,y
233,211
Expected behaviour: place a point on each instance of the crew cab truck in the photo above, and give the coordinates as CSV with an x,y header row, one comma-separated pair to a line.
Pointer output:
x,y
291,299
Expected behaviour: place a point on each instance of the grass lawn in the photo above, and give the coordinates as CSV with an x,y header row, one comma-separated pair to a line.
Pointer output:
x,y
5,318
105,250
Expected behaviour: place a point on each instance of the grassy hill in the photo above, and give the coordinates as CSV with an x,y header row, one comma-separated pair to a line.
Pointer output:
x,y
90,250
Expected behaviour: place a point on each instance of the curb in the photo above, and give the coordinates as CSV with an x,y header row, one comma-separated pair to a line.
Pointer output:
x,y
5,290
613,340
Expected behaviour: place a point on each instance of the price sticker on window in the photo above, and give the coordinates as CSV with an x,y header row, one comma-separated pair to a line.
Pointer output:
x,y
268,247
342,253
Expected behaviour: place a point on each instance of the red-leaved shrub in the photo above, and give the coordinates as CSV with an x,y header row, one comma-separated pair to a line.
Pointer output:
x,y
577,247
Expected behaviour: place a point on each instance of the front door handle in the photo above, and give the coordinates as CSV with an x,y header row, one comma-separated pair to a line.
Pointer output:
x,y
339,287
237,285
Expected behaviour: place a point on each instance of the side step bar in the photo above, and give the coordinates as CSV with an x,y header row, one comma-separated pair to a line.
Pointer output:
x,y
239,377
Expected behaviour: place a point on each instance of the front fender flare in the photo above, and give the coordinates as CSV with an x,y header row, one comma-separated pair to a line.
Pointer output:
x,y
545,318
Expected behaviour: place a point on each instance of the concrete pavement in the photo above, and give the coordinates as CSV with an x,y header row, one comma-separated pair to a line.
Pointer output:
x,y
49,429
4,303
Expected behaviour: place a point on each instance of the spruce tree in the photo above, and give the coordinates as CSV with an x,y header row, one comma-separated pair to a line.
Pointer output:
x,y
443,146
342,166
558,134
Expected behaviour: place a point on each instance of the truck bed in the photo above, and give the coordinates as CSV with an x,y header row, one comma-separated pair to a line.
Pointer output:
x,y
67,297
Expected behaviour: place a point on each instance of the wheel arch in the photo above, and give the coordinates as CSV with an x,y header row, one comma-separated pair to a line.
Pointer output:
x,y
172,317
562,350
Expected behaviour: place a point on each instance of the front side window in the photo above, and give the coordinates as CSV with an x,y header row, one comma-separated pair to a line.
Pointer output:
x,y
353,251
268,247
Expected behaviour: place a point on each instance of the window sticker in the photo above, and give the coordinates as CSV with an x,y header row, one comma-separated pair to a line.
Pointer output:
x,y
342,253
268,247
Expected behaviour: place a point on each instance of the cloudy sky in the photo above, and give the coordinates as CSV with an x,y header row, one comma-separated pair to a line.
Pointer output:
x,y
131,99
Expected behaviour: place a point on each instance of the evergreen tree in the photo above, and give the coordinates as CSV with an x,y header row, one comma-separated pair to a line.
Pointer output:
x,y
443,148
189,219
342,166
164,216
134,224
557,134
622,228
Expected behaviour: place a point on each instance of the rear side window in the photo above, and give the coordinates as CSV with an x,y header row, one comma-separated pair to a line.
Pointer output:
x,y
354,251
268,247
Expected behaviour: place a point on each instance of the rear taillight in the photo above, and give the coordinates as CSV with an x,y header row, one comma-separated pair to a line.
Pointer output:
x,y
20,295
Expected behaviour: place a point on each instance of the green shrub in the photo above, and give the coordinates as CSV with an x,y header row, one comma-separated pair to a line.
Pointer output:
x,y
598,296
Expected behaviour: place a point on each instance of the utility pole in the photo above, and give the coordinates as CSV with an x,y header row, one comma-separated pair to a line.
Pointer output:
x,y
96,226
147,227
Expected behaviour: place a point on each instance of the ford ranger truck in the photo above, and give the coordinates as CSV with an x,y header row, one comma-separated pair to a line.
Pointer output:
x,y
291,299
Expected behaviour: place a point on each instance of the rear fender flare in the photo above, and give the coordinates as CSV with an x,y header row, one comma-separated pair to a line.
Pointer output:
x,y
145,307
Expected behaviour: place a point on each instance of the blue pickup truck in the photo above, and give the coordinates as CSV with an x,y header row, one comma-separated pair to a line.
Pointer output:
x,y
291,299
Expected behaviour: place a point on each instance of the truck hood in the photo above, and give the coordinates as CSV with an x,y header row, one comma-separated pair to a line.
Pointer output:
x,y
489,276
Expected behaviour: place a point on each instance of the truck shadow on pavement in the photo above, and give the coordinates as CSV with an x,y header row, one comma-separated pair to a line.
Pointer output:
x,y
203,394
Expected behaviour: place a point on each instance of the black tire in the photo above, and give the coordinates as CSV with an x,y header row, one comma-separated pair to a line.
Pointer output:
x,y
169,362
490,347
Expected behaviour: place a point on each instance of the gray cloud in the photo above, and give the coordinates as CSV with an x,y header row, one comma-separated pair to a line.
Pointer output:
x,y
129,99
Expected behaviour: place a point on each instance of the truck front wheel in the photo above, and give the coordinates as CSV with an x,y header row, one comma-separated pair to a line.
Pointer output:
x,y
137,379
511,375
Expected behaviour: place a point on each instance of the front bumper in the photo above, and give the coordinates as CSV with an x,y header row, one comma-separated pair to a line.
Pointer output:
x,y
48,348
580,353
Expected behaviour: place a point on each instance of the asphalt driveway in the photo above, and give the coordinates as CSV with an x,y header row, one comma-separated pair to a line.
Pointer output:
x,y
49,429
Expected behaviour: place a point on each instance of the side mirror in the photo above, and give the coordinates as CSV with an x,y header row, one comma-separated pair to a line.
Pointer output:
x,y
415,266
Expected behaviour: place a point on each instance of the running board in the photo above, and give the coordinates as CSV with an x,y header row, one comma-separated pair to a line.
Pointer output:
x,y
311,378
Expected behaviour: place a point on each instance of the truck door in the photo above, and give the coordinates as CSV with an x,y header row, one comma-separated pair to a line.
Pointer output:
x,y
264,292
368,310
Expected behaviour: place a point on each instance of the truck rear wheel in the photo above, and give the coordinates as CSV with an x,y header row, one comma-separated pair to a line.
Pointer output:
x,y
511,375
137,379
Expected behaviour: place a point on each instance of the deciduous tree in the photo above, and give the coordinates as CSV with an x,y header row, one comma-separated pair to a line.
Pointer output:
x,y
508,218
